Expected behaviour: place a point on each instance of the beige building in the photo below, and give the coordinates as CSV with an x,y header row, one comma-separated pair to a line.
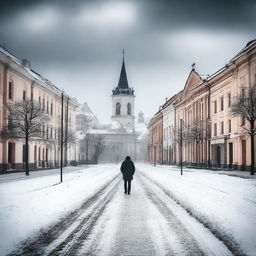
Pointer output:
x,y
155,138
192,114
211,135
18,81
230,144
221,140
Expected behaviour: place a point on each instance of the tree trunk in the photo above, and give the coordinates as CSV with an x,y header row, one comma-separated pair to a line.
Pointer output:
x,y
26,156
252,146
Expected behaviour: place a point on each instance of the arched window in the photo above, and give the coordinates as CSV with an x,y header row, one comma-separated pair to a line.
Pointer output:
x,y
118,108
129,109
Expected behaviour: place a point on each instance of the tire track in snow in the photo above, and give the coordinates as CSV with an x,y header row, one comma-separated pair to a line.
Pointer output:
x,y
72,242
36,245
217,231
186,240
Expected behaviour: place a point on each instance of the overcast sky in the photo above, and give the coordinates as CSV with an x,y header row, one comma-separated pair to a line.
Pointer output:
x,y
78,44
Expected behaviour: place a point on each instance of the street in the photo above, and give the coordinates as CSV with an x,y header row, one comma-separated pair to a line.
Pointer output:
x,y
166,214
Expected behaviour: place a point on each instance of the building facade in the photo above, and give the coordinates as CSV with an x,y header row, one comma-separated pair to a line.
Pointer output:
x,y
155,138
192,118
230,141
212,136
169,124
19,82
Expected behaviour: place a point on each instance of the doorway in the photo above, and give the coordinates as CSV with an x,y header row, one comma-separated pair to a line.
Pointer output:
x,y
243,153
11,153
218,156
230,154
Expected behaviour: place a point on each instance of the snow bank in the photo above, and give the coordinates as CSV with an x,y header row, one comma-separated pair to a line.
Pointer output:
x,y
31,203
223,203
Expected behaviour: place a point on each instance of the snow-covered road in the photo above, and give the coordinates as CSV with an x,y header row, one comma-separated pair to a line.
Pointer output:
x,y
199,213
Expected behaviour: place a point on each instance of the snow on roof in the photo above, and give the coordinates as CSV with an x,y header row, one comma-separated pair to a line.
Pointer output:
x,y
100,131
38,78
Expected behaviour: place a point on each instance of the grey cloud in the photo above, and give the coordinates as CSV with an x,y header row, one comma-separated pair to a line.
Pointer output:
x,y
90,46
160,46
235,14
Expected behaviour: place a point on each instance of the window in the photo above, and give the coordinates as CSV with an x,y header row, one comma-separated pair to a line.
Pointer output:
x,y
215,129
51,108
222,127
47,107
32,96
215,106
24,95
229,100
39,101
229,125
10,89
118,108
43,104
242,120
221,103
10,123
242,93
24,153
47,132
51,134
129,109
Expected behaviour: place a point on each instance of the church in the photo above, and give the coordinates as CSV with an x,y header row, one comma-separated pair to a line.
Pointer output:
x,y
120,138
124,136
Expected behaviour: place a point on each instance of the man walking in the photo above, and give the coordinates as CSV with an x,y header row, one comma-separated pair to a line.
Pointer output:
x,y
127,169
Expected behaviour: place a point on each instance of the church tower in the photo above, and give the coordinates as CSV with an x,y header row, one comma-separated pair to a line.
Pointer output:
x,y
123,102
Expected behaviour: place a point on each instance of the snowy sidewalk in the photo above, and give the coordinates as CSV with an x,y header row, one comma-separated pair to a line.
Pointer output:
x,y
199,213
38,201
224,204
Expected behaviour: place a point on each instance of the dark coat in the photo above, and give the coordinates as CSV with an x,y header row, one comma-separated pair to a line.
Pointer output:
x,y
127,169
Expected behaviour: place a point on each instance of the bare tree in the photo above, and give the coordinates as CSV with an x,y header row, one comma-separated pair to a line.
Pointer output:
x,y
181,136
245,106
24,123
69,138
98,144
196,132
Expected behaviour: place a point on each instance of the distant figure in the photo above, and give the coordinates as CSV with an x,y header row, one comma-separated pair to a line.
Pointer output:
x,y
127,169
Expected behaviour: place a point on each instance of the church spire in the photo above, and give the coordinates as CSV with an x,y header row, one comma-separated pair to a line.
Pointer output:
x,y
123,86
123,82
